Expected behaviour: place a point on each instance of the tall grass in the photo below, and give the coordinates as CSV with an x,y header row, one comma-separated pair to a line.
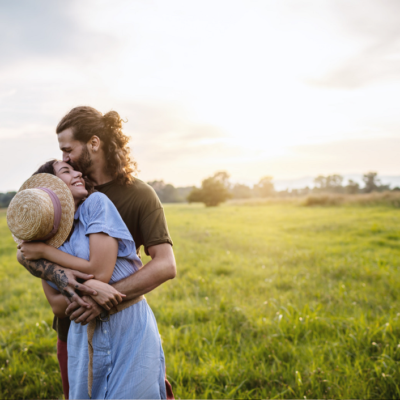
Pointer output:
x,y
389,199
269,302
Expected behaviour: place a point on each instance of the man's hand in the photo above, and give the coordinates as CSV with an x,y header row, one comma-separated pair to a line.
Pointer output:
x,y
64,278
107,296
81,315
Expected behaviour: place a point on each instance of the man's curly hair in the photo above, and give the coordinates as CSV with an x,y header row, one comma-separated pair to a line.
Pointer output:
x,y
86,121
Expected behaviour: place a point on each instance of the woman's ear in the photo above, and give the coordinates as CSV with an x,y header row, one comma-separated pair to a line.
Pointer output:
x,y
94,143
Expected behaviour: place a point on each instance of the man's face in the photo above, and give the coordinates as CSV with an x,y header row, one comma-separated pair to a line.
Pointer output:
x,y
74,152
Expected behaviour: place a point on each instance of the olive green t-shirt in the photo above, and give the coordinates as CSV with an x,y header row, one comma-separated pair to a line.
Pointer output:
x,y
143,214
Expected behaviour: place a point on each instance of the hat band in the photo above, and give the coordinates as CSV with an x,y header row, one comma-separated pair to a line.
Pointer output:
x,y
57,213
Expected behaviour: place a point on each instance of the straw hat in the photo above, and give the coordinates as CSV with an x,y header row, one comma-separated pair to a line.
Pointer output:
x,y
42,210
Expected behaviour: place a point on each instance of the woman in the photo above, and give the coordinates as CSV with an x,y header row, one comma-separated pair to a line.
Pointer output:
x,y
128,360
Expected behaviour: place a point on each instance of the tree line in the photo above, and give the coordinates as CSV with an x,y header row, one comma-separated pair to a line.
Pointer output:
x,y
217,188
5,199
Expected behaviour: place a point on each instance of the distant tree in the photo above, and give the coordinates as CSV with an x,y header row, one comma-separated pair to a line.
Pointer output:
x,y
334,182
222,177
170,194
265,187
352,187
196,196
5,199
240,191
183,192
371,181
304,191
383,188
167,193
329,183
320,182
214,190
284,193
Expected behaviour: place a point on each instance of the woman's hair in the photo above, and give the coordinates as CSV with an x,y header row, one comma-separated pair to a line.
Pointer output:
x,y
86,121
47,168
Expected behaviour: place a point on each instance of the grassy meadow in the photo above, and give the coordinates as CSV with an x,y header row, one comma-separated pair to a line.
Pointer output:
x,y
270,301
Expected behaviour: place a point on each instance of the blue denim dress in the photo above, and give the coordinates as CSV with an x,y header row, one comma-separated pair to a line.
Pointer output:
x,y
128,359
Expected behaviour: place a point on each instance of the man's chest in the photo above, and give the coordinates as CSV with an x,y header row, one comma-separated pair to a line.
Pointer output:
x,y
128,209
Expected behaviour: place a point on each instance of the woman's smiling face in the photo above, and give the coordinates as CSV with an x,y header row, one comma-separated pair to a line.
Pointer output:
x,y
73,180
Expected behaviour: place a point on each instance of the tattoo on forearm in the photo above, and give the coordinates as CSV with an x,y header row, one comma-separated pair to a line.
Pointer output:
x,y
60,279
46,270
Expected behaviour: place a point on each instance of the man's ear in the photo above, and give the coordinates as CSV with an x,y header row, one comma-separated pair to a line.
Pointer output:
x,y
94,143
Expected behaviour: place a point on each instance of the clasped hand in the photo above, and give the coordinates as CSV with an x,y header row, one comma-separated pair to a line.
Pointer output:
x,y
32,250
80,309
107,297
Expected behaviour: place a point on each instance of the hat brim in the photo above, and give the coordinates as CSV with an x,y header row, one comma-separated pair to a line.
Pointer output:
x,y
67,205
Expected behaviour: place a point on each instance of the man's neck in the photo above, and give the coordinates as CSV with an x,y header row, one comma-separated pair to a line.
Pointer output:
x,y
99,174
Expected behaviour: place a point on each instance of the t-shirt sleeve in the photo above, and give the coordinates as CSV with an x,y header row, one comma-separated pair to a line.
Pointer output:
x,y
153,224
103,217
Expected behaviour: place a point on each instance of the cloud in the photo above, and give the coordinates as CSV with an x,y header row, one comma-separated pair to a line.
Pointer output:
x,y
21,156
378,24
165,124
165,141
341,157
358,155
48,29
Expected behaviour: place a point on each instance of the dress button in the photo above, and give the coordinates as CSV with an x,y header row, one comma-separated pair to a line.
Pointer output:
x,y
108,352
105,331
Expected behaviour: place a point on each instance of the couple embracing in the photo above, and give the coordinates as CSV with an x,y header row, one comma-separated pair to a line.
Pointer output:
x,y
89,262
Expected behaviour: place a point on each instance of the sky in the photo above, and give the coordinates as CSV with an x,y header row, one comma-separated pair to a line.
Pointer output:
x,y
281,88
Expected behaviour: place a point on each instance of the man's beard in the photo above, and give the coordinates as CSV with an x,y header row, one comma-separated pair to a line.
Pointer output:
x,y
84,162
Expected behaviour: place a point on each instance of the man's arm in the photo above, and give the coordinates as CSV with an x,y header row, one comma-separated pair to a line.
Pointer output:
x,y
64,278
161,268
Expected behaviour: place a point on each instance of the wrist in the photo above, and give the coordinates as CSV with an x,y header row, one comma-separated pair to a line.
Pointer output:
x,y
43,250
89,282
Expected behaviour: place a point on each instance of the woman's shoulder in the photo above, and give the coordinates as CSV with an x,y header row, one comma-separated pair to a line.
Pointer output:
x,y
96,198
96,201
101,215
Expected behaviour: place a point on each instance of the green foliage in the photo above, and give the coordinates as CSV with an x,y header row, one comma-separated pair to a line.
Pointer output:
x,y
329,183
333,184
214,190
5,199
168,193
389,199
274,301
373,184
352,187
265,187
240,191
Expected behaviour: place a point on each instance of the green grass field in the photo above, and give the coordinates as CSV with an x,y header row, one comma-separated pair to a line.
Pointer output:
x,y
273,301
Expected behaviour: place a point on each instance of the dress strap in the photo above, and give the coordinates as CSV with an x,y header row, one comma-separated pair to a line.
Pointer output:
x,y
92,327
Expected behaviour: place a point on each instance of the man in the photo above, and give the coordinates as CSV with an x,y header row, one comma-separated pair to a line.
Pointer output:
x,y
96,145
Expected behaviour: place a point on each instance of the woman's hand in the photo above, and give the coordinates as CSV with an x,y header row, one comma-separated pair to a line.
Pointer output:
x,y
107,297
32,250
81,315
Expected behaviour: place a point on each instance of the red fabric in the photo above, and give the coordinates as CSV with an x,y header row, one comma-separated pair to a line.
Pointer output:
x,y
168,388
62,355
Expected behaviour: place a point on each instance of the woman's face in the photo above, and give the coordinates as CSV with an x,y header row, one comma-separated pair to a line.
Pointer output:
x,y
72,178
